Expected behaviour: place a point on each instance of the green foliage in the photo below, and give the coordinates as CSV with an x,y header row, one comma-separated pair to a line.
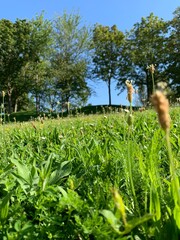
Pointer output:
x,y
24,49
53,61
173,53
107,43
14,40
70,58
145,44
56,178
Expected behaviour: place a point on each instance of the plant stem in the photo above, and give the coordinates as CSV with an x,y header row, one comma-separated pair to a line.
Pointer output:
x,y
152,75
4,110
174,177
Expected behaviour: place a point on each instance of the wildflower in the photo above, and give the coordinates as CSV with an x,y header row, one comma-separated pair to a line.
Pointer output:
x,y
161,105
130,90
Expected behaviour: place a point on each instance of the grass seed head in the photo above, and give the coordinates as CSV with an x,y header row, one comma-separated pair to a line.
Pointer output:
x,y
119,204
3,93
161,105
151,68
130,119
33,125
130,90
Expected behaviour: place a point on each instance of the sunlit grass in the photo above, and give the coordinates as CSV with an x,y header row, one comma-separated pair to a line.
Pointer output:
x,y
57,176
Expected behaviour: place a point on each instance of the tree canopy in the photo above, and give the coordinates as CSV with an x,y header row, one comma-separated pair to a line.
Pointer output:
x,y
107,53
22,45
70,58
53,61
173,54
145,45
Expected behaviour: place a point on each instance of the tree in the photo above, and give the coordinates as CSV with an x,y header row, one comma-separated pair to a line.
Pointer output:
x,y
145,45
70,59
23,45
39,57
173,54
107,53
14,39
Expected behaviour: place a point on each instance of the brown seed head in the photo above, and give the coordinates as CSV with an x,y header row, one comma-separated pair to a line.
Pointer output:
x,y
33,125
130,90
161,105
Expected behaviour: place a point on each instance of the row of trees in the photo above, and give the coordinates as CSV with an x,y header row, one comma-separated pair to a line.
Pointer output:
x,y
53,61
127,56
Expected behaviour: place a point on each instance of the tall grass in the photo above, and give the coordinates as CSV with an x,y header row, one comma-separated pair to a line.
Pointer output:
x,y
57,178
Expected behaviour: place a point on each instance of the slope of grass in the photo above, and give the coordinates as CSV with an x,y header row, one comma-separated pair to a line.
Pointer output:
x,y
70,178
87,110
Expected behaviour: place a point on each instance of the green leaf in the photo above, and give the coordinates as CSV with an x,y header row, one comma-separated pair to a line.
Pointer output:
x,y
34,178
17,225
135,222
47,167
4,207
23,171
176,213
26,227
113,221
66,168
58,174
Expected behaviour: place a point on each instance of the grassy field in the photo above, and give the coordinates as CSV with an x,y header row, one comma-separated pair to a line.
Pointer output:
x,y
89,177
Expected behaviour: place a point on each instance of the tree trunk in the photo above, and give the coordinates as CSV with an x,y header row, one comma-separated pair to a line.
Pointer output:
x,y
148,85
109,91
9,99
37,103
37,95
16,105
67,103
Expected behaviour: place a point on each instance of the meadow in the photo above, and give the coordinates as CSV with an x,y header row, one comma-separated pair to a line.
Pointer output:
x,y
90,177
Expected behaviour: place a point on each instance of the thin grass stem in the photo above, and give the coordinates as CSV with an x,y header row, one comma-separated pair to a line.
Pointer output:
x,y
152,75
174,177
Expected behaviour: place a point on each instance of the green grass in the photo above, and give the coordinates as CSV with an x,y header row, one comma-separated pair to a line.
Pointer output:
x,y
57,178
87,110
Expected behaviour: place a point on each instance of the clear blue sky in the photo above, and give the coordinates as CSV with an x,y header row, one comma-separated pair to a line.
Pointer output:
x,y
123,13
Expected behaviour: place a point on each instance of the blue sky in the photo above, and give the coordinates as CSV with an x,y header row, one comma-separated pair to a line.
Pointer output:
x,y
123,13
